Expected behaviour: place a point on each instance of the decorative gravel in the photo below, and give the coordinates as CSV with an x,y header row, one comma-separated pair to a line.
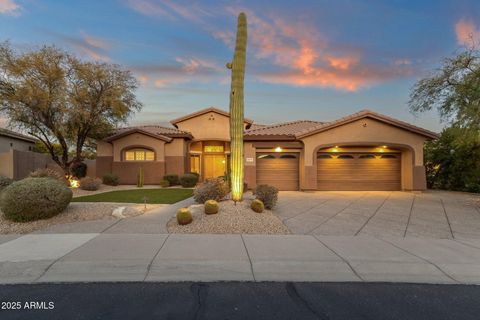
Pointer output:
x,y
76,211
77,192
230,219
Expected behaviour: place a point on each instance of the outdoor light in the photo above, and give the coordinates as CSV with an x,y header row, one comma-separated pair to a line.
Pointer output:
x,y
384,147
278,149
74,183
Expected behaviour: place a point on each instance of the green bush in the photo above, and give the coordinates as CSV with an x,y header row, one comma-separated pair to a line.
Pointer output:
x,y
212,189
90,183
172,179
5,182
189,180
257,206
110,179
34,198
49,173
211,207
164,184
184,216
78,170
267,194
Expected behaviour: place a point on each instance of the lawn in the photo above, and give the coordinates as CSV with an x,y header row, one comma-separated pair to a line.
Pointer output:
x,y
156,196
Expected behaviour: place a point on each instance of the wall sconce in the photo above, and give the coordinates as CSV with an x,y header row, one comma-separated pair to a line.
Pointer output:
x,y
278,149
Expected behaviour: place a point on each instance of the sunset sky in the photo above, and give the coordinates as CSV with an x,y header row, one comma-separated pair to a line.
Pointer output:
x,y
316,60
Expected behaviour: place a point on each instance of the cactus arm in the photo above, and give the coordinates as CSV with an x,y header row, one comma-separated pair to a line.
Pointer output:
x,y
236,109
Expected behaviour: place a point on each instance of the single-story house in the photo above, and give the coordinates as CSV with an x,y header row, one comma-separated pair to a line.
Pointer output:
x,y
13,140
363,151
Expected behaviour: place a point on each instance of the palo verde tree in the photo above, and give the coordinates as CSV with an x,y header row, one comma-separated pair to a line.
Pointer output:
x,y
62,100
236,109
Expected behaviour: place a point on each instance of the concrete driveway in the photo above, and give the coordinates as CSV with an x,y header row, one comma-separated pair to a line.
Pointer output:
x,y
381,213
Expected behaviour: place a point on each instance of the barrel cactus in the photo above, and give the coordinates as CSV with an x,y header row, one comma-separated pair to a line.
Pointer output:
x,y
257,206
184,216
236,109
211,207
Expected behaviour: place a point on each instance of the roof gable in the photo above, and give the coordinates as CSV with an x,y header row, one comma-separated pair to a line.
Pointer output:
x,y
137,130
204,111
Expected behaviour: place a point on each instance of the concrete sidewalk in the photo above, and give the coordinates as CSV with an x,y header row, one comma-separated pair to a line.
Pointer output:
x,y
163,257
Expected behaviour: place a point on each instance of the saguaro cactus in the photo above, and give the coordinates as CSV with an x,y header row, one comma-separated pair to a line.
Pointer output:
x,y
236,109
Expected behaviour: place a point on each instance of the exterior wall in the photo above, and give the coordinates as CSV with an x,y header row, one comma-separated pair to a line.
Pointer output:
x,y
175,157
250,173
16,144
6,164
374,133
104,149
138,140
128,171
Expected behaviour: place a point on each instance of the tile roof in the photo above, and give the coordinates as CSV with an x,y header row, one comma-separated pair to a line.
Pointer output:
x,y
282,129
164,133
16,135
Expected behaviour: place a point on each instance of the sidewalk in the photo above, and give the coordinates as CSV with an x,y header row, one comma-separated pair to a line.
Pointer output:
x,y
87,257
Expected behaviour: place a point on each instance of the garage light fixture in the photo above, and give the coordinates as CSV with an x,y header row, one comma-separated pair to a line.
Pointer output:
x,y
278,149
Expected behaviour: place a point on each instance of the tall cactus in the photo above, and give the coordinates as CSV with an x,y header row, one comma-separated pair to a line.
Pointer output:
x,y
236,109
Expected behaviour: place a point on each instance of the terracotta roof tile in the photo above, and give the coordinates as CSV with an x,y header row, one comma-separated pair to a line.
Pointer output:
x,y
160,131
282,129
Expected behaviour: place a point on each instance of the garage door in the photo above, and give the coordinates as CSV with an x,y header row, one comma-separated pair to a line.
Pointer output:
x,y
358,171
278,169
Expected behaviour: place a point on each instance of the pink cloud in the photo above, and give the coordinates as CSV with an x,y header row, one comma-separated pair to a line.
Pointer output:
x,y
9,7
92,47
467,33
146,7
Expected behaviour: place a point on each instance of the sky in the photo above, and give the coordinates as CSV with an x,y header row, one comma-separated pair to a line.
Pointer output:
x,y
318,60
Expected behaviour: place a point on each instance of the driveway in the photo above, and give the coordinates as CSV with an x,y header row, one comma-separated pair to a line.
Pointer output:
x,y
381,213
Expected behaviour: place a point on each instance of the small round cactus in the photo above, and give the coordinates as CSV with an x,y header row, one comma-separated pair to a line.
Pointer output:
x,y
257,206
211,207
184,216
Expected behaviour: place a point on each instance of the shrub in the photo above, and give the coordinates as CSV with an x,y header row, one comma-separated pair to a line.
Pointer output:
x,y
79,170
49,173
212,189
211,207
5,182
110,179
164,184
140,177
267,194
257,206
34,198
189,180
172,179
90,183
184,216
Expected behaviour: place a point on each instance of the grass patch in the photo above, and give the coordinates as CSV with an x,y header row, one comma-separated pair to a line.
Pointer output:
x,y
154,196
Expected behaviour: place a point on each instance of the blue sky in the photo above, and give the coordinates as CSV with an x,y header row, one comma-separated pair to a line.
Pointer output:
x,y
316,60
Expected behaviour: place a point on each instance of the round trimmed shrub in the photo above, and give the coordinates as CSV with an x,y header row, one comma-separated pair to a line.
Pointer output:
x,y
257,206
164,184
211,207
189,180
110,179
172,178
184,216
212,189
79,170
34,198
90,183
267,194
5,182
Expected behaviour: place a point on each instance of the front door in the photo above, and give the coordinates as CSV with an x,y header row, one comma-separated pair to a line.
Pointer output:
x,y
213,165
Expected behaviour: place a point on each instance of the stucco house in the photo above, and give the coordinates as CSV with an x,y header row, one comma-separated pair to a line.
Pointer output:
x,y
362,151
13,140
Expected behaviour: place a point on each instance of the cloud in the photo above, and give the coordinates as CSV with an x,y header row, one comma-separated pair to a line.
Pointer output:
x,y
10,7
92,47
169,9
467,33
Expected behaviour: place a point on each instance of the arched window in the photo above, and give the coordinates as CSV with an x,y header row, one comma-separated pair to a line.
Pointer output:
x,y
266,156
367,156
324,156
388,156
288,156
345,156
139,154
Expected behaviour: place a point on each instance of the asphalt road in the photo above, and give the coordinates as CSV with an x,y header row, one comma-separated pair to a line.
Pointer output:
x,y
240,300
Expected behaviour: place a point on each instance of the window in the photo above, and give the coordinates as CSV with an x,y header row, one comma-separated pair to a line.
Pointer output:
x,y
139,155
213,149
367,156
388,156
324,156
266,156
195,163
345,156
288,156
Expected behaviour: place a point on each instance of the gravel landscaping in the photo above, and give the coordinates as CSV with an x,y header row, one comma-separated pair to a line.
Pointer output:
x,y
230,219
77,192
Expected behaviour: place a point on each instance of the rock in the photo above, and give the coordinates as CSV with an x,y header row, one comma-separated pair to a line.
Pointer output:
x,y
118,212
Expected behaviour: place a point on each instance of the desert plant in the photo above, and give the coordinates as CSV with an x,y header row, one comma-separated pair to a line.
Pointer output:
x,y
34,198
5,182
110,179
257,206
267,194
236,109
211,207
172,178
79,170
90,183
188,180
49,173
184,216
140,177
164,183
212,189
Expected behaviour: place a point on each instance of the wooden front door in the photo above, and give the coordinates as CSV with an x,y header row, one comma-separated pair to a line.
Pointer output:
x,y
213,165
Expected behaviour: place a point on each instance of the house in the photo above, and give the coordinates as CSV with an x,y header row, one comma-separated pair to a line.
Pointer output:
x,y
363,151
14,140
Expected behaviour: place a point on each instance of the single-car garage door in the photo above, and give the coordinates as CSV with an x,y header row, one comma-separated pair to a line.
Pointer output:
x,y
278,169
358,171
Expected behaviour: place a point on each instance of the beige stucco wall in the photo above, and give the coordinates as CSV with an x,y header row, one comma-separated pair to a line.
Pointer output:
x,y
7,143
104,149
138,140
6,163
176,147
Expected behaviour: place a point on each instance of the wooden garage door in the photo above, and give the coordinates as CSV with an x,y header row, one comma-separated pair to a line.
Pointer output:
x,y
278,169
358,171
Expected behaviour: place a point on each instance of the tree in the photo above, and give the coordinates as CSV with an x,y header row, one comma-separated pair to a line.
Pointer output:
x,y
62,100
